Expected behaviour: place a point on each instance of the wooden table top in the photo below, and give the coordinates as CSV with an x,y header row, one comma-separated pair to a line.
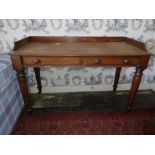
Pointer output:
x,y
80,48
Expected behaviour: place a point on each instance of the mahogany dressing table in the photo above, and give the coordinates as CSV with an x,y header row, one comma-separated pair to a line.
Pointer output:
x,y
37,51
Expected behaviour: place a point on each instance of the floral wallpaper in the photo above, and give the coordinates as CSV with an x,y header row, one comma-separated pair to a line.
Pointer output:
x,y
62,78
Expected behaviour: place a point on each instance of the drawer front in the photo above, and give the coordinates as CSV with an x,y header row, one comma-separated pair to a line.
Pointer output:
x,y
111,61
81,61
53,61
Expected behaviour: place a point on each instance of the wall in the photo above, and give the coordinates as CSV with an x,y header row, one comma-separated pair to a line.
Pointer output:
x,y
76,78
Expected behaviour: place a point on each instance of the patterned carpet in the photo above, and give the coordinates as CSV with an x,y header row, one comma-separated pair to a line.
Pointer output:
x,y
95,119
83,122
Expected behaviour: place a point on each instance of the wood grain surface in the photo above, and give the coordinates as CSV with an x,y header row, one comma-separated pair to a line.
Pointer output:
x,y
80,46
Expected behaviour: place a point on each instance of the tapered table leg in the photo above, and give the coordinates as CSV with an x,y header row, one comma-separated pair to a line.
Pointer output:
x,y
117,75
134,87
38,79
17,65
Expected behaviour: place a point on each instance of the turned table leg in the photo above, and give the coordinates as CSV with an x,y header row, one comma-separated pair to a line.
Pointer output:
x,y
24,89
117,75
134,87
17,65
38,79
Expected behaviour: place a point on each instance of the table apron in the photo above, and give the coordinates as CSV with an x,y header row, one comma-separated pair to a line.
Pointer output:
x,y
36,61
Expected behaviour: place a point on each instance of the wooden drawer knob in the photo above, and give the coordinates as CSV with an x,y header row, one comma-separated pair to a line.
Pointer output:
x,y
36,61
97,61
126,61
